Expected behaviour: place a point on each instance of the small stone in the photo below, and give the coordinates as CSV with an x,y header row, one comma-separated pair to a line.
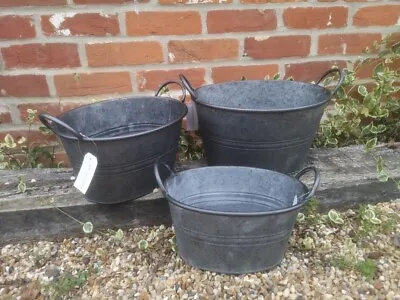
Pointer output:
x,y
4,291
86,260
52,272
397,203
374,255
396,240
10,269
286,293
144,295
378,285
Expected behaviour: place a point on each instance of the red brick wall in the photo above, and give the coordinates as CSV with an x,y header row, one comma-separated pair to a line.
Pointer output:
x,y
56,54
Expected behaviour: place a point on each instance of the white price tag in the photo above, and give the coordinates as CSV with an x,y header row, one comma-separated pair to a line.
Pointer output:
x,y
295,200
192,122
86,173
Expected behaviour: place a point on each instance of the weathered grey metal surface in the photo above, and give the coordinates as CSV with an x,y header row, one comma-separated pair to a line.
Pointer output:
x,y
268,124
348,177
234,220
127,135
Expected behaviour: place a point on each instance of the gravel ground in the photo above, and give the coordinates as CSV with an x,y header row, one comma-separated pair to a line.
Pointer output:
x,y
324,261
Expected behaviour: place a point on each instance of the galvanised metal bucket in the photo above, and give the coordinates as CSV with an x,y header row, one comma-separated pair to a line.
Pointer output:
x,y
127,135
268,124
231,219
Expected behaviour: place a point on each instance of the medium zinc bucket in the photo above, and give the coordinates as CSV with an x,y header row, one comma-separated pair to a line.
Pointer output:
x,y
127,135
267,124
232,219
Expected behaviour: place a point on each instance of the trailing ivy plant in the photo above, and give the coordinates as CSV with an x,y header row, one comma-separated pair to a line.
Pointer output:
x,y
23,153
367,114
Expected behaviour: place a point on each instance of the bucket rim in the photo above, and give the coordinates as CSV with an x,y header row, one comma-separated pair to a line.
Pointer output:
x,y
237,214
123,137
251,110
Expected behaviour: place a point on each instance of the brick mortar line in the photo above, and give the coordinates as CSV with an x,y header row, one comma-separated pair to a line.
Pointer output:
x,y
201,64
168,8
15,114
51,85
2,63
314,45
237,35
122,23
38,26
203,20
82,55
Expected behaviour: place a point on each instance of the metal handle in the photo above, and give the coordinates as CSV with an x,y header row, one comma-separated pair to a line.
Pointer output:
x,y
44,118
176,82
316,180
158,177
187,85
334,70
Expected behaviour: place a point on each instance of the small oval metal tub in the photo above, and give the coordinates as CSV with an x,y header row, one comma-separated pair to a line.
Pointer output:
x,y
127,135
232,219
268,124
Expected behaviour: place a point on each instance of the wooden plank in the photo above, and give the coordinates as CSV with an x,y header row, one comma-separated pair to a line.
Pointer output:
x,y
348,178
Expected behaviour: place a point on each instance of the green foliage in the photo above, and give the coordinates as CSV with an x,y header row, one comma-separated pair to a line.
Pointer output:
x,y
87,227
348,259
174,245
335,217
152,239
311,215
23,154
366,268
66,283
370,220
190,146
21,185
367,115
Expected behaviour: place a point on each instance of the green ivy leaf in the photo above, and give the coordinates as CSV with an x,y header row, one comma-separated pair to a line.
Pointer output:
x,y
119,235
362,90
174,246
379,69
332,141
9,141
276,76
3,165
143,244
87,227
340,94
367,129
379,165
381,128
375,221
21,185
300,217
365,111
335,217
371,144
382,177
368,214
